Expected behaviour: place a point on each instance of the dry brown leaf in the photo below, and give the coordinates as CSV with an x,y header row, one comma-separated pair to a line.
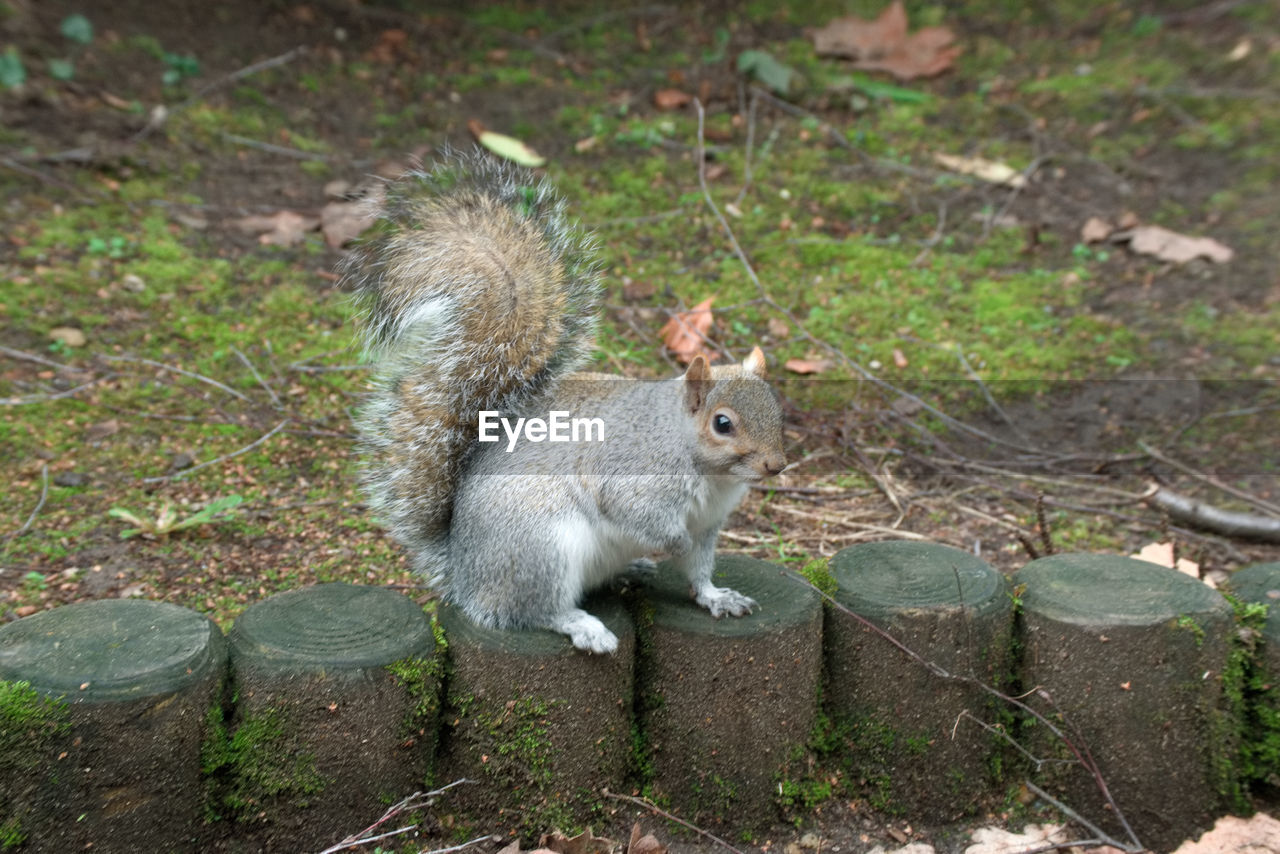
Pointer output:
x,y
671,99
885,45
68,336
1095,230
899,358
987,170
282,228
1161,554
685,334
1178,248
584,843
342,222
807,366
993,840
1257,835
646,844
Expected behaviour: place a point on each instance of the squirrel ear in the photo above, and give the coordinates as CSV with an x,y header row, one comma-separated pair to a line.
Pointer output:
x,y
754,363
697,384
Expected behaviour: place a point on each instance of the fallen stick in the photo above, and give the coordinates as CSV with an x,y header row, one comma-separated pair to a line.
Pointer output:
x,y
1198,514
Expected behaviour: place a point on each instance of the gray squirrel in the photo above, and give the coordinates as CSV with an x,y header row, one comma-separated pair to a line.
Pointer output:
x,y
479,302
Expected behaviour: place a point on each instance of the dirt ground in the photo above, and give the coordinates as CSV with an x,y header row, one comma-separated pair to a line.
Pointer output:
x,y
1073,449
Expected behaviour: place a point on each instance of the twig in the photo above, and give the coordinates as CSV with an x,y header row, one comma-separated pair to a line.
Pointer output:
x,y
224,458
1226,522
295,153
32,357
1076,817
1080,751
153,363
32,172
1211,480
44,493
161,114
275,399
657,810
45,398
415,801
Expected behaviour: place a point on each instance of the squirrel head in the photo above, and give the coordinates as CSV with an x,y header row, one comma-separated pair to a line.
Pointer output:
x,y
737,418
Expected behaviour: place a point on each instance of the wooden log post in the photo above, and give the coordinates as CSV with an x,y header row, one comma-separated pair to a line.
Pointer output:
x,y
537,726
1133,656
336,710
104,707
725,703
912,735
1260,753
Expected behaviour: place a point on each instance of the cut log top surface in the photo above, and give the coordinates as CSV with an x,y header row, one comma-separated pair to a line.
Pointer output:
x,y
785,600
1261,583
1109,590
111,650
330,627
886,578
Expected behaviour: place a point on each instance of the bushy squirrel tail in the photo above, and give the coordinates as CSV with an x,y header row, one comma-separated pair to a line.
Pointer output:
x,y
477,294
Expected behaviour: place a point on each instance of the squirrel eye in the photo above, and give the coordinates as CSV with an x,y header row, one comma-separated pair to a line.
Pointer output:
x,y
722,424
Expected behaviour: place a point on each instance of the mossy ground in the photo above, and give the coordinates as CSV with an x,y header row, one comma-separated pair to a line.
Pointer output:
x,y
925,279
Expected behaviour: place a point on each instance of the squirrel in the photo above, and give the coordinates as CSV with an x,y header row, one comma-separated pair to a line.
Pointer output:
x,y
479,301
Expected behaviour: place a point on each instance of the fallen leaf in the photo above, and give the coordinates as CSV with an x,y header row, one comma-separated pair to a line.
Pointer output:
x,y
584,843
1259,834
671,99
282,228
987,170
1161,554
1095,230
342,222
885,45
993,840
779,328
899,359
68,336
646,844
504,146
1178,248
685,334
101,430
807,366
769,71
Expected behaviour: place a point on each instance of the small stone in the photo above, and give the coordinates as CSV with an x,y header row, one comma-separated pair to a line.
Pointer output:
x,y
71,478
68,336
182,460
811,841
133,282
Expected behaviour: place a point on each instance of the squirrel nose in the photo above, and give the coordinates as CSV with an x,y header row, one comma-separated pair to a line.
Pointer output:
x,y
773,465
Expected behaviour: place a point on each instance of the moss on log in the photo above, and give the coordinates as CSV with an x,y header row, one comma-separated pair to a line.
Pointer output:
x,y
908,731
103,709
725,703
1133,656
538,726
337,702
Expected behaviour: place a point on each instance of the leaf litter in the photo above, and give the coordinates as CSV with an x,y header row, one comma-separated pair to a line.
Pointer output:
x,y
885,44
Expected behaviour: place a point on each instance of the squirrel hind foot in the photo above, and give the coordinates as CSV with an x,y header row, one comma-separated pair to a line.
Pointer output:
x,y
585,631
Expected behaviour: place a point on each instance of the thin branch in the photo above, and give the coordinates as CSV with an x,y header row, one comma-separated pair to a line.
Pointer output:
x,y
1136,848
1226,522
246,449
32,357
44,493
417,800
275,399
1266,506
153,363
657,810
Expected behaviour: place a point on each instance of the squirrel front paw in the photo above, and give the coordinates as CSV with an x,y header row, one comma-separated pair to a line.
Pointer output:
x,y
722,600
585,631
